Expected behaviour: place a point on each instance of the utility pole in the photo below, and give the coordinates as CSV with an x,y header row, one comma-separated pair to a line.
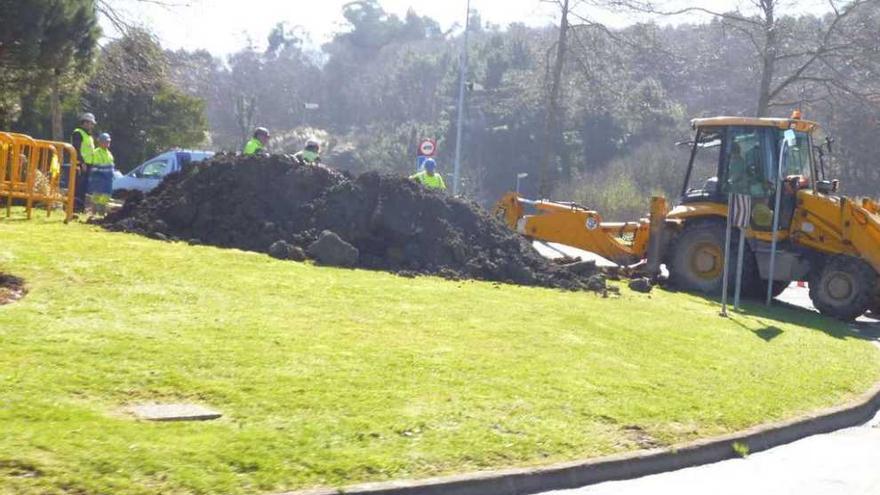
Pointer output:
x,y
463,63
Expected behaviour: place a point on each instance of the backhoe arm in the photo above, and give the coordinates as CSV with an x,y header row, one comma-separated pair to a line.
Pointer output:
x,y
574,225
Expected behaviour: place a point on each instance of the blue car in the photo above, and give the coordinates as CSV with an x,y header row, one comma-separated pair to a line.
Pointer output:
x,y
150,173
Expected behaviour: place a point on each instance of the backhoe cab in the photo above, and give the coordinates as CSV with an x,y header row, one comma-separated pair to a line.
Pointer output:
x,y
829,240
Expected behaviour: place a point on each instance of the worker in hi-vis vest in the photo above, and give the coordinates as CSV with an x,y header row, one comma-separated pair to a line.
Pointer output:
x,y
85,150
310,155
100,183
429,177
257,144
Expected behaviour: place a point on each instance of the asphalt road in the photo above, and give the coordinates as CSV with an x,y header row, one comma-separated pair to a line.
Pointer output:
x,y
846,462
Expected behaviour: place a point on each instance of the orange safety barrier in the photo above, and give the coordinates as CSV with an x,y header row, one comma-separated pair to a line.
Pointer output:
x,y
30,170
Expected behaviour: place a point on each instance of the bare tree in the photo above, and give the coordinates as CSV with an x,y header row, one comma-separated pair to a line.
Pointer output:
x,y
785,57
124,21
559,54
551,120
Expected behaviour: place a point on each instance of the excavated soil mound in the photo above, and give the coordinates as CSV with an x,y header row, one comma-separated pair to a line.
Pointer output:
x,y
273,205
11,289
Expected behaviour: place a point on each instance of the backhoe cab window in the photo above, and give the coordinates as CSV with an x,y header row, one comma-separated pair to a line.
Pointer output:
x,y
703,177
744,171
796,158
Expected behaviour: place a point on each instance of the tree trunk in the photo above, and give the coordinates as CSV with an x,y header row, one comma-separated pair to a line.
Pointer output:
x,y
768,58
55,108
551,122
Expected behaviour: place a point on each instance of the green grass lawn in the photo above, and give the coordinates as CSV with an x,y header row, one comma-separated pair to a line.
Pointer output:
x,y
328,377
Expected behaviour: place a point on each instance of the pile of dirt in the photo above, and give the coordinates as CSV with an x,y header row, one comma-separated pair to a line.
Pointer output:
x,y
273,205
11,289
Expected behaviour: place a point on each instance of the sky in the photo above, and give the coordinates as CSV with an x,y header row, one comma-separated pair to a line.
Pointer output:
x,y
226,26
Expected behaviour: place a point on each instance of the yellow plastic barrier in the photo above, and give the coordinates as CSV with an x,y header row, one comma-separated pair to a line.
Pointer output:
x,y
49,170
30,170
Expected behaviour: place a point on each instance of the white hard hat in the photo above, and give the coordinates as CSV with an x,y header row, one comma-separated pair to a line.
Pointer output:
x,y
88,117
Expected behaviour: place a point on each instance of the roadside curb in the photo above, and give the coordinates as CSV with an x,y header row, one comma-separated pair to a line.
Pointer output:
x,y
576,474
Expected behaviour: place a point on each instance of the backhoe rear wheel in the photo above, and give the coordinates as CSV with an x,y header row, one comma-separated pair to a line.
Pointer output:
x,y
844,288
697,259
875,310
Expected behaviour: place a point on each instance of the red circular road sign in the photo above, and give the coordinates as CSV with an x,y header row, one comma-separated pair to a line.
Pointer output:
x,y
427,147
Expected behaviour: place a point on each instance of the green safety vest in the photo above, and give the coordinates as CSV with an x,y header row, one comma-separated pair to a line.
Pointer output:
x,y
102,156
253,146
430,181
87,148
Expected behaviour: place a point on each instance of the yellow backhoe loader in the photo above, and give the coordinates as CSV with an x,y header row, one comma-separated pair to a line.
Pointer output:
x,y
827,239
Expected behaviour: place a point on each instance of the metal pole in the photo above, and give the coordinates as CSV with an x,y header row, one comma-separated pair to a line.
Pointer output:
x,y
463,60
777,204
517,184
739,267
725,278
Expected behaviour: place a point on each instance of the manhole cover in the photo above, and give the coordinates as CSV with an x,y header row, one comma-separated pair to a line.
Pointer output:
x,y
174,412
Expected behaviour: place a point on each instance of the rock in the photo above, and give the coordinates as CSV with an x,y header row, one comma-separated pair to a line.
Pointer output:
x,y
330,249
642,284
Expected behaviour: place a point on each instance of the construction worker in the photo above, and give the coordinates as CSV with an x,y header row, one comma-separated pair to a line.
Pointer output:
x,y
85,148
257,144
101,175
737,173
310,155
428,176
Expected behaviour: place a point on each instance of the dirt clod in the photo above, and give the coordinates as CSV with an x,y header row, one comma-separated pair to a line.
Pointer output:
x,y
586,268
281,250
597,283
374,221
642,284
11,289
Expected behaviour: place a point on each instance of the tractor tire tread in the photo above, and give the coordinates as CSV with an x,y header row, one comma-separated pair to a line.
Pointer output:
x,y
678,276
865,298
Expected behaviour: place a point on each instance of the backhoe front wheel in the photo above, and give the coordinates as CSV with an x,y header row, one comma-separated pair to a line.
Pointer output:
x,y
843,288
697,258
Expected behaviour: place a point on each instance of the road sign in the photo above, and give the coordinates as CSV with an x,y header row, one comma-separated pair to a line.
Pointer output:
x,y
427,147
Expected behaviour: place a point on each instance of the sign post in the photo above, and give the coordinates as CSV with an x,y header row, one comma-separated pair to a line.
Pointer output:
x,y
789,139
427,149
740,186
520,176
463,68
741,212
725,276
